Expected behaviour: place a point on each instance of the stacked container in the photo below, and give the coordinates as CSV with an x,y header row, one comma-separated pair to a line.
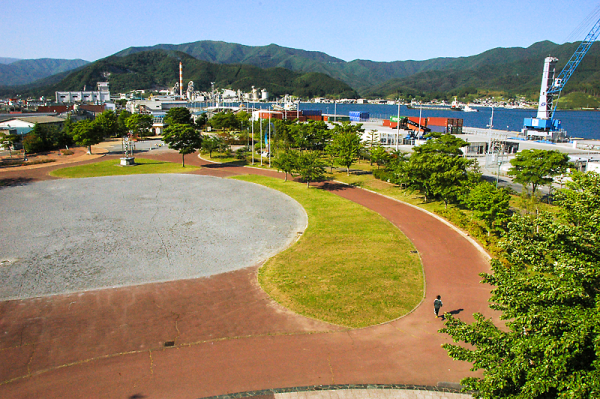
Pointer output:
x,y
357,116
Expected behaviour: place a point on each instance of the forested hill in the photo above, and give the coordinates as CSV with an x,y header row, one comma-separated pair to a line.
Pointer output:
x,y
21,72
159,69
508,70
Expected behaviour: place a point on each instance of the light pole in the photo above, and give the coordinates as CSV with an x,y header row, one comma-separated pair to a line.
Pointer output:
x,y
252,119
398,127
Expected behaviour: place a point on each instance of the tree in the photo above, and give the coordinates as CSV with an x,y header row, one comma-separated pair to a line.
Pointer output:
x,y
311,135
538,167
549,345
201,121
182,138
310,167
10,140
438,169
286,161
33,143
379,155
489,204
224,120
346,144
178,115
139,125
397,168
87,133
122,128
107,122
213,143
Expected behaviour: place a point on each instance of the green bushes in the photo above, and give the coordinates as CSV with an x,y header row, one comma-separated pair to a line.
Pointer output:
x,y
381,174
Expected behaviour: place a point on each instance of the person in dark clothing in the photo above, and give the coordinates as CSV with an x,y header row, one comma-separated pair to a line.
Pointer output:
x,y
437,304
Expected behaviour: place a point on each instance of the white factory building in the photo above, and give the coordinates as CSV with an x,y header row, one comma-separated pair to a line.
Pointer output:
x,y
101,95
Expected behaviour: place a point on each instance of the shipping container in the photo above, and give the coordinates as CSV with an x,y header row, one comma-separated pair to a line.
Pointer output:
x,y
437,121
416,119
312,112
339,118
438,129
358,116
314,117
386,122
455,122
273,115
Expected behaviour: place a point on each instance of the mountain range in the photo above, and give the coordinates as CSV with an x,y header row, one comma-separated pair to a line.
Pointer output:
x,y
510,71
15,72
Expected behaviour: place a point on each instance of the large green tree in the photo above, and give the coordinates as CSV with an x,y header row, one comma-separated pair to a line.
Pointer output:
x,y
346,144
311,135
183,138
438,169
538,167
286,162
310,166
548,293
489,204
180,115
139,125
107,121
211,144
87,133
224,120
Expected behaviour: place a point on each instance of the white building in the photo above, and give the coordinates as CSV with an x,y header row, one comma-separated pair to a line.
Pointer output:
x,y
102,95
24,125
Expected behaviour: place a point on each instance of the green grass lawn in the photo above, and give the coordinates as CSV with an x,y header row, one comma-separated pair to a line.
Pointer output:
x,y
113,168
351,267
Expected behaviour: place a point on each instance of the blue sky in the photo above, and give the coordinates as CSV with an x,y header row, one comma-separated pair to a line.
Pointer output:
x,y
377,30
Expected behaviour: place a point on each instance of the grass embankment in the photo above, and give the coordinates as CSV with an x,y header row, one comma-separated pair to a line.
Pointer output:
x,y
351,267
113,168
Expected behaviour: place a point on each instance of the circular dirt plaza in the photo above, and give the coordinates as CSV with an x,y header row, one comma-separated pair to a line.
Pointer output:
x,y
72,235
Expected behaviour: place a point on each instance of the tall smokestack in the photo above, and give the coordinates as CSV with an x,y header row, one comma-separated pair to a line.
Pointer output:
x,y
180,80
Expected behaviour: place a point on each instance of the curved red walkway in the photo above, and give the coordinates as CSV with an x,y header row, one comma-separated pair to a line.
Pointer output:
x,y
227,335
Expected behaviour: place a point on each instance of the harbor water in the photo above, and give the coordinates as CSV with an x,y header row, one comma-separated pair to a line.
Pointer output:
x,y
578,124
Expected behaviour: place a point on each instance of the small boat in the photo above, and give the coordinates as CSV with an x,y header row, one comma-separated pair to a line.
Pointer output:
x,y
467,108
456,106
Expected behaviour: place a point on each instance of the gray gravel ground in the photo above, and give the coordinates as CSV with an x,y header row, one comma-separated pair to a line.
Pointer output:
x,y
80,234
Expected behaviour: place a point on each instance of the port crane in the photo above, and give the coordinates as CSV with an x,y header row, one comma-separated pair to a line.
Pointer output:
x,y
544,126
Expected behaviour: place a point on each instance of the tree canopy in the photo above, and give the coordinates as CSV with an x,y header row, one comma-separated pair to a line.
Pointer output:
x,y
178,115
182,138
139,124
346,144
538,167
437,168
548,292
87,133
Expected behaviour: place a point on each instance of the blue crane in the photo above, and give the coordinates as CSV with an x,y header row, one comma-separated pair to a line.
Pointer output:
x,y
545,126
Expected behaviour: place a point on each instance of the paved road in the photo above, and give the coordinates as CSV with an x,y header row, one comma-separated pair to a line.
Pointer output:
x,y
222,334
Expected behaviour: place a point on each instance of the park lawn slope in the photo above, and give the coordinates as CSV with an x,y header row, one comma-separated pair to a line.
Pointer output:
x,y
351,267
113,168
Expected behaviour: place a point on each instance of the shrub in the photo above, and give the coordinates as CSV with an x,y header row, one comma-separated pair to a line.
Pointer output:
x,y
381,174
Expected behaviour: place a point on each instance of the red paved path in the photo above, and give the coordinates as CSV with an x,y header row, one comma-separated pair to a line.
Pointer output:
x,y
229,336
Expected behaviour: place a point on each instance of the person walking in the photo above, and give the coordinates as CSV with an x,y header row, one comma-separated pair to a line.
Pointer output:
x,y
437,304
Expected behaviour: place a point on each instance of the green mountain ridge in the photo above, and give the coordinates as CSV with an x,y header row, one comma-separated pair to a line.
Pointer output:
x,y
370,77
21,72
159,69
506,71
